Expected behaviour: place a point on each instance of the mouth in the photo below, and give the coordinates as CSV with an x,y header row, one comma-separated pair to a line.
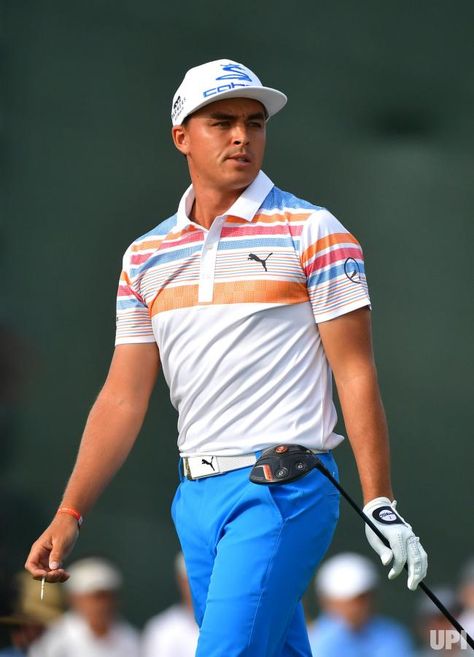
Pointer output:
x,y
242,158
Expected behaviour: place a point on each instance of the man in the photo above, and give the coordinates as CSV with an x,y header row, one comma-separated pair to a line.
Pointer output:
x,y
29,616
434,630
346,586
173,632
466,597
92,626
247,297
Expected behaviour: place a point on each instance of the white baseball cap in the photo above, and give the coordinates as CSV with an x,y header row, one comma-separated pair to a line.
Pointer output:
x,y
91,575
346,575
222,78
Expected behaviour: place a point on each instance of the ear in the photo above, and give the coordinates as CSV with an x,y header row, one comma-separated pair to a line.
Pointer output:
x,y
179,134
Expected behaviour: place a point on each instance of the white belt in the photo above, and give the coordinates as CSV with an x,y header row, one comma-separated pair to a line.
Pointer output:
x,y
196,467
208,466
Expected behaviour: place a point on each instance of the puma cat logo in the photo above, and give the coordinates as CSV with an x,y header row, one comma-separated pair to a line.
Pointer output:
x,y
204,462
252,256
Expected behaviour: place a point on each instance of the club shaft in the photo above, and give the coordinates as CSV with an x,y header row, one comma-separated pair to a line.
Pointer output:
x,y
321,467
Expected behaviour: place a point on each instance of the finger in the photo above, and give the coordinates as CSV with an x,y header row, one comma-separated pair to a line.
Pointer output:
x,y
384,552
387,556
37,561
36,573
51,576
55,576
425,569
399,560
59,551
417,563
55,562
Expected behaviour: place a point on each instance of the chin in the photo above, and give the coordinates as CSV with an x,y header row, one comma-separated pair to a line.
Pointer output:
x,y
239,180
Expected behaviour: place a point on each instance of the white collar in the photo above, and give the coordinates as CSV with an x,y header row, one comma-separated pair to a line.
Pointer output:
x,y
244,207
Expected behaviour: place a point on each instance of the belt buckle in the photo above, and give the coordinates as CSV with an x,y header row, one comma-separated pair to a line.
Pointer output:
x,y
187,471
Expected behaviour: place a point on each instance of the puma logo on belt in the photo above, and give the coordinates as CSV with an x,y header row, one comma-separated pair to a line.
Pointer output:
x,y
252,256
204,462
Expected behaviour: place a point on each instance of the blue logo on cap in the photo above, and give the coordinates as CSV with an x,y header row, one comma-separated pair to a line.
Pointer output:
x,y
236,72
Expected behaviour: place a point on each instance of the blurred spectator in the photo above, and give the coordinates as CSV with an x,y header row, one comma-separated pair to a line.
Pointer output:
x,y
345,586
434,629
92,627
174,632
466,597
29,615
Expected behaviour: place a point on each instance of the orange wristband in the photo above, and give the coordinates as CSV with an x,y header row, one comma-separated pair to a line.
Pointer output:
x,y
72,512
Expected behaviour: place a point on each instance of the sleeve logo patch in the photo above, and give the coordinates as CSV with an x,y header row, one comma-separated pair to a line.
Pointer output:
x,y
352,270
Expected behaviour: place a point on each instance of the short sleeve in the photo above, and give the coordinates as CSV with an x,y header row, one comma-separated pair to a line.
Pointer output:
x,y
333,262
133,317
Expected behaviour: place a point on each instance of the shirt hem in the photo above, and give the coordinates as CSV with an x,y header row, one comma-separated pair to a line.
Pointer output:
x,y
361,303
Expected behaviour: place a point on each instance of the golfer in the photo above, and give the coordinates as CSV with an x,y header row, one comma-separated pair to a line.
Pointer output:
x,y
249,299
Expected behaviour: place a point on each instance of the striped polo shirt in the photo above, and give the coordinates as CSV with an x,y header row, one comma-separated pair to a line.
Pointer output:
x,y
235,309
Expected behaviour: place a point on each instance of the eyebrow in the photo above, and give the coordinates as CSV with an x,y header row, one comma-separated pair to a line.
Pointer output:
x,y
222,116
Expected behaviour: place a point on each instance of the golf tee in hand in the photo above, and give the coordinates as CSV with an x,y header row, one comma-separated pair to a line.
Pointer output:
x,y
405,547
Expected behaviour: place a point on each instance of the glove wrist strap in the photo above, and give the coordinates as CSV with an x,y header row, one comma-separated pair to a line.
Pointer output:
x,y
377,501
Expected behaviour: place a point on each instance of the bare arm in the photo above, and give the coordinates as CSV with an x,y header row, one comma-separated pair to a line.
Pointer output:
x,y
110,432
347,342
348,345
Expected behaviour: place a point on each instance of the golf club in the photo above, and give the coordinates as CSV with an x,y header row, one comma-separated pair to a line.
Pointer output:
x,y
320,466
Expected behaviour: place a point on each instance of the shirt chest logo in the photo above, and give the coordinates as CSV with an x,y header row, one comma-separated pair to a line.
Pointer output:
x,y
252,256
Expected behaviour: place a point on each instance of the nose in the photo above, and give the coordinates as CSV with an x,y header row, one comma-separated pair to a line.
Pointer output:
x,y
240,135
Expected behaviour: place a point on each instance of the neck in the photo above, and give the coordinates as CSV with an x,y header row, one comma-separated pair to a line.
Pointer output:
x,y
211,201
100,629
209,204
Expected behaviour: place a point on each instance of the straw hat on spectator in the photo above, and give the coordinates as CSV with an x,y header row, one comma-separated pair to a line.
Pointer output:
x,y
27,607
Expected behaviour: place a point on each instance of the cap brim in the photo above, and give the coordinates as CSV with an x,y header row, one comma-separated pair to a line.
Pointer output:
x,y
272,99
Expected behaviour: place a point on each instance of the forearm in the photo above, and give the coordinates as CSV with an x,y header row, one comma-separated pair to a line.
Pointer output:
x,y
348,346
366,426
110,432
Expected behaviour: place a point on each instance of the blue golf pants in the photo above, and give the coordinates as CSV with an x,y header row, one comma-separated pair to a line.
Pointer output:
x,y
250,552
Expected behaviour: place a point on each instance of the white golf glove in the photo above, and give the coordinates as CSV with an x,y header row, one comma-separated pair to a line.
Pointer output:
x,y
404,545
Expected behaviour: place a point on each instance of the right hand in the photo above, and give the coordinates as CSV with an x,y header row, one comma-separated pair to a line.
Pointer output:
x,y
52,547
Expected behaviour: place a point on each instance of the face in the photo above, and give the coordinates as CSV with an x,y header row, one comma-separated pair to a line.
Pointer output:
x,y
224,143
467,595
355,611
98,608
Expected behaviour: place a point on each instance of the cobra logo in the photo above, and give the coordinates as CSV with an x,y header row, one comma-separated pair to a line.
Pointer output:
x,y
223,87
234,72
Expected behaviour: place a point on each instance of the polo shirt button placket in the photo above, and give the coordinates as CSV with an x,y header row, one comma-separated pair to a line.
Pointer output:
x,y
208,261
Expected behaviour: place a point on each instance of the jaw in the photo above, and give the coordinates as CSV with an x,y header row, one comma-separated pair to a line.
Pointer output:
x,y
227,176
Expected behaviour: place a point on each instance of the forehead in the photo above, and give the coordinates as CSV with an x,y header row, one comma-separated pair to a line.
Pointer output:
x,y
232,106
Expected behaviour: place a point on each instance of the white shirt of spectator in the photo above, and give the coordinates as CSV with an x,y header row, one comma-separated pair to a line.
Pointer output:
x,y
173,633
70,636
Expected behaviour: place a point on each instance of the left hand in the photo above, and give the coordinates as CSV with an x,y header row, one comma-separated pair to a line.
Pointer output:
x,y
404,545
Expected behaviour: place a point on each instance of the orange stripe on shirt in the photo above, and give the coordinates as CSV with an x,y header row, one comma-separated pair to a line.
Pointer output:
x,y
146,244
268,219
184,296
326,242
155,243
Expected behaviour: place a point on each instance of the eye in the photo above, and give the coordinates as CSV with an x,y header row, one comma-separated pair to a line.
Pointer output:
x,y
255,124
221,124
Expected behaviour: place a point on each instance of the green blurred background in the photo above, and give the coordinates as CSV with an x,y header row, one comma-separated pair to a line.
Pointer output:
x,y
378,127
